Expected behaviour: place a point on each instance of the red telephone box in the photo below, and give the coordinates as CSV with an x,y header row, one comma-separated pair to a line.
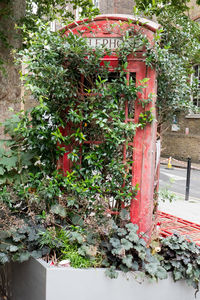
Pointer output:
x,y
103,30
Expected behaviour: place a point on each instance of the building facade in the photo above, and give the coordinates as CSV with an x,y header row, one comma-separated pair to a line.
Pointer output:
x,y
182,139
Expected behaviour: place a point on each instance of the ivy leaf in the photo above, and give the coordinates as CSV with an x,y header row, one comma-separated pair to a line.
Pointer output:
x,y
189,269
83,250
135,266
120,251
124,268
141,251
18,237
3,180
128,261
111,272
161,273
36,254
4,234
124,214
59,210
151,268
13,248
26,158
32,236
142,242
198,260
131,227
133,237
177,275
126,244
75,236
2,171
121,231
105,263
23,229
77,220
3,258
9,162
24,256
115,242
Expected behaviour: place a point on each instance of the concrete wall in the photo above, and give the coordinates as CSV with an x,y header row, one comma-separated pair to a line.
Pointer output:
x,y
29,281
34,280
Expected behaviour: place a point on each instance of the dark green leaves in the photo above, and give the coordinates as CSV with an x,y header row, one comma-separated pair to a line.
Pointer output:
x,y
128,252
111,272
182,258
58,210
19,241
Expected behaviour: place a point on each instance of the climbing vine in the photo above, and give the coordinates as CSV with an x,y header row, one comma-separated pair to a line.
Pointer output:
x,y
81,113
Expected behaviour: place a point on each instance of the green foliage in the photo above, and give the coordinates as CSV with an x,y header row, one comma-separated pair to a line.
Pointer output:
x,y
145,118
51,9
19,237
124,250
156,7
165,194
101,180
181,257
44,10
176,50
70,245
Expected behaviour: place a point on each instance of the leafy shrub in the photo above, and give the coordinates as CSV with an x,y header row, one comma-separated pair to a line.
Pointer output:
x,y
19,237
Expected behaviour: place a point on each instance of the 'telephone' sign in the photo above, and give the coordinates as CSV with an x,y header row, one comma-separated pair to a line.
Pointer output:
x,y
110,43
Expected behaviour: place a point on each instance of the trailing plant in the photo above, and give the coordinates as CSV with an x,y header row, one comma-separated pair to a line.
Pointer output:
x,y
181,257
126,251
19,237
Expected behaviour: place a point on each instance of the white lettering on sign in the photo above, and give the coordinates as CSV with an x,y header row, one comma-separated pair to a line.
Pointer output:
x,y
110,43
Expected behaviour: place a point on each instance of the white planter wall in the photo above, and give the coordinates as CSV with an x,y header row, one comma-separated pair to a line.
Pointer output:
x,y
35,280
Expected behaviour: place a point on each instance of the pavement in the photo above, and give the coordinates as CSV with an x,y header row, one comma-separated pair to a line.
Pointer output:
x,y
174,180
188,210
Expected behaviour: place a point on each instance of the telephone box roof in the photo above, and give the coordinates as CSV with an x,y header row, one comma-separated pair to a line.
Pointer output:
x,y
148,24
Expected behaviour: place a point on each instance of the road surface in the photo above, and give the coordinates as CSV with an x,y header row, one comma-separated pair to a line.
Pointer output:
x,y
175,180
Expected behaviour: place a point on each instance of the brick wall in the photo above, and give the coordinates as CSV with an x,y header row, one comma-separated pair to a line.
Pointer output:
x,y
194,12
116,6
181,145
